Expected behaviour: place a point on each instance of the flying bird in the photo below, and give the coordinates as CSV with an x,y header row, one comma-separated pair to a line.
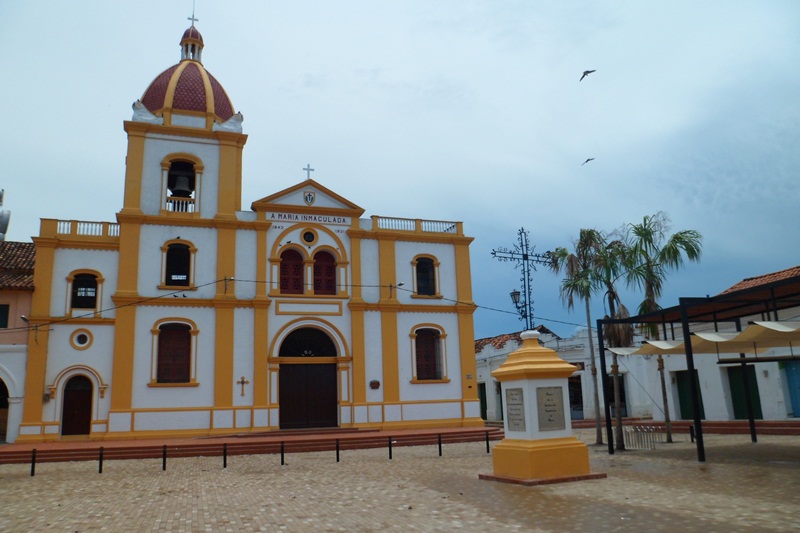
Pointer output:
x,y
585,73
590,159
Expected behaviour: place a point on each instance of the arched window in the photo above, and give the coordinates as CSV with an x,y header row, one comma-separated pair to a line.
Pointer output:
x,y
178,265
174,353
307,342
84,291
324,273
425,275
428,354
181,186
291,272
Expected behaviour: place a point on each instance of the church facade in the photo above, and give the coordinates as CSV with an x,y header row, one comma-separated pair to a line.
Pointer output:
x,y
190,316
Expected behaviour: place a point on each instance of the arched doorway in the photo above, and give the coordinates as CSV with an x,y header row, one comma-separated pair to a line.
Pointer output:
x,y
76,415
307,380
3,411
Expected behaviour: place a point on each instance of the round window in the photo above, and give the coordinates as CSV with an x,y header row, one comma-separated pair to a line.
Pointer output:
x,y
309,237
81,339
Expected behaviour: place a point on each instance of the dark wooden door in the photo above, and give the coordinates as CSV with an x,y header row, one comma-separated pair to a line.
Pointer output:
x,y
738,398
307,396
685,395
76,416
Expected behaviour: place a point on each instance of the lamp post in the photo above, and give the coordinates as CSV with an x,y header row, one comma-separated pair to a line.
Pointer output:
x,y
523,256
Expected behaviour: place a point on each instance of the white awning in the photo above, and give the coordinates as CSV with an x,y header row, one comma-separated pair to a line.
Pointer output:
x,y
756,337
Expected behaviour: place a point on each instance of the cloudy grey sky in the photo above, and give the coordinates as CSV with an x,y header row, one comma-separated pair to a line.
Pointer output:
x,y
465,110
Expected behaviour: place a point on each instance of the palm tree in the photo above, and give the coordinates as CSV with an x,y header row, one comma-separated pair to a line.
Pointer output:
x,y
649,258
610,264
580,283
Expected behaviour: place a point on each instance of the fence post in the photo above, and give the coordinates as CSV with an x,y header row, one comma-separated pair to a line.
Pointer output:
x,y
164,458
282,461
33,462
337,450
225,455
100,461
440,444
390,448
487,441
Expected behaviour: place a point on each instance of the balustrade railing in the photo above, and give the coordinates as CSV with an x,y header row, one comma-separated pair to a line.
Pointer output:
x,y
80,228
416,225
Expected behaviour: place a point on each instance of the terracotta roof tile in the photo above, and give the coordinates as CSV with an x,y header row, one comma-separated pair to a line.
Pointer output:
x,y
757,281
500,341
16,265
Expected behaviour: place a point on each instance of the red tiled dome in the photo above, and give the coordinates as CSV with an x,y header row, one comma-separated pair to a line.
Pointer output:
x,y
192,33
183,87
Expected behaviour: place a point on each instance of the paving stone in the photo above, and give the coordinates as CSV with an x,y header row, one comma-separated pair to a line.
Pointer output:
x,y
742,487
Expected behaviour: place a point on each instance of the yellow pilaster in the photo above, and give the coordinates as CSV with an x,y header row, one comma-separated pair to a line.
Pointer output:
x,y
389,306
225,307
466,327
125,320
38,338
261,348
223,355
230,173
261,318
133,167
357,325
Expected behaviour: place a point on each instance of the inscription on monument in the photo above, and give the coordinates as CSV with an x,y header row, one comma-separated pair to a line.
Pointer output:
x,y
551,408
515,409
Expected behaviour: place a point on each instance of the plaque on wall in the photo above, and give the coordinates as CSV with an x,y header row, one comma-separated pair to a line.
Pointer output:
x,y
515,409
551,408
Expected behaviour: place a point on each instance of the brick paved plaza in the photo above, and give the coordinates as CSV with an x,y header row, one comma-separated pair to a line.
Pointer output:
x,y
742,487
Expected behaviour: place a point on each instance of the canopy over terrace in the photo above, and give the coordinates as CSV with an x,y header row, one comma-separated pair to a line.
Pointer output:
x,y
766,297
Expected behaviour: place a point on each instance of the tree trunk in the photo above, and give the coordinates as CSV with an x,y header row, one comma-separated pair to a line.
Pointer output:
x,y
618,436
667,422
597,418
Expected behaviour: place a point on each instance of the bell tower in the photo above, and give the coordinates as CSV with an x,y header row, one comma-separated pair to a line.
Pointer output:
x,y
184,143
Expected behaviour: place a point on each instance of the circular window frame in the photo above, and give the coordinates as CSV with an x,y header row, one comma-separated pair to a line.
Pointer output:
x,y
73,339
314,235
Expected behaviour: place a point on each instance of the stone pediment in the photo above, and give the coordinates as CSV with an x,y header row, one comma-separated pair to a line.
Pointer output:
x,y
306,197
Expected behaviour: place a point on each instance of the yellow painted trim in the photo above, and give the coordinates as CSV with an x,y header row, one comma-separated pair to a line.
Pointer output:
x,y
388,276
260,354
156,384
310,312
265,204
134,169
38,341
229,189
289,327
357,327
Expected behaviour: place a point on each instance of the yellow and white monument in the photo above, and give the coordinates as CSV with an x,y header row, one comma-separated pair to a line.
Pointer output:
x,y
539,447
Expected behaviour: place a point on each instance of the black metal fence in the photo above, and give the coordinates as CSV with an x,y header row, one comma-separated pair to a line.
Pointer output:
x,y
226,449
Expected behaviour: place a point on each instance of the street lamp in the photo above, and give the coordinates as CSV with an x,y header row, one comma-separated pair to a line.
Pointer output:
x,y
523,308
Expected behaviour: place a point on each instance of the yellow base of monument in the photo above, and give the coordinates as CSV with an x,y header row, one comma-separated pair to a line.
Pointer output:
x,y
541,461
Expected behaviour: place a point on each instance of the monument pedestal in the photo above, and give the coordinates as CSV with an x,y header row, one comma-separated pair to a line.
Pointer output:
x,y
539,447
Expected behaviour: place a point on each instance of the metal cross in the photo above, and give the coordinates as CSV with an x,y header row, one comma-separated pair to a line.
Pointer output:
x,y
308,170
523,255
242,382
192,17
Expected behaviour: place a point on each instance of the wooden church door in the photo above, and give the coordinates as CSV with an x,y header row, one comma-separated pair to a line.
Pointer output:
x,y
307,381
76,416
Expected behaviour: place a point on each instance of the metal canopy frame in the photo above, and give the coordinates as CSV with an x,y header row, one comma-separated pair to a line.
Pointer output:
x,y
766,299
